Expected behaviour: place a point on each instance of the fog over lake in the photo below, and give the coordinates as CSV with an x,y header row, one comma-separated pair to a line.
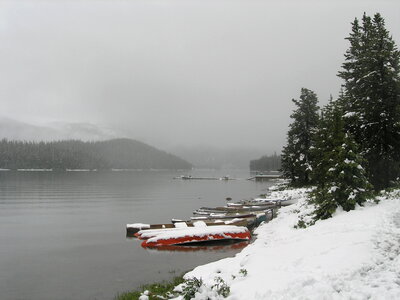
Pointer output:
x,y
210,81
174,73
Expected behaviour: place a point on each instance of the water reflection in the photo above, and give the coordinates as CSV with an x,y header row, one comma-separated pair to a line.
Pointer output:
x,y
215,246
63,234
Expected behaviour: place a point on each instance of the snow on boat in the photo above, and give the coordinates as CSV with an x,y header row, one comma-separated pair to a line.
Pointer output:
x,y
149,233
253,219
251,205
138,228
234,209
132,229
276,201
281,199
222,215
248,222
183,236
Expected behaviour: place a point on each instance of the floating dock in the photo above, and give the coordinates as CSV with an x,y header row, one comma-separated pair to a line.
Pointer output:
x,y
264,177
189,177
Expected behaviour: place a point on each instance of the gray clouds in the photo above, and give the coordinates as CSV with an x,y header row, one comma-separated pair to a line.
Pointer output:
x,y
172,73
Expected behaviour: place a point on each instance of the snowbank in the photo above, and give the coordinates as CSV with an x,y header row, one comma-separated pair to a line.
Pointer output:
x,y
354,255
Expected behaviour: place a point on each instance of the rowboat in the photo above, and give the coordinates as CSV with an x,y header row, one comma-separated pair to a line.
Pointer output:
x,y
210,246
131,229
234,209
193,235
251,205
274,201
253,219
222,216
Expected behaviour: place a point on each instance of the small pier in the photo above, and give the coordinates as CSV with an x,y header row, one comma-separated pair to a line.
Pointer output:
x,y
189,177
264,177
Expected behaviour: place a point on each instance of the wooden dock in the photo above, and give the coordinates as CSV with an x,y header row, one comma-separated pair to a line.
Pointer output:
x,y
189,177
264,177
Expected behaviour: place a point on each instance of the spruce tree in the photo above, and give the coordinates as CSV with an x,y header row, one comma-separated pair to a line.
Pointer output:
x,y
327,138
342,180
296,155
371,101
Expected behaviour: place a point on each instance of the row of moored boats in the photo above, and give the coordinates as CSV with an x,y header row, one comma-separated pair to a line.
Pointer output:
x,y
232,222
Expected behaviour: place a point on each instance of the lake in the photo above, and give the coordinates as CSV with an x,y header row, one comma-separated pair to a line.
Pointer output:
x,y
62,235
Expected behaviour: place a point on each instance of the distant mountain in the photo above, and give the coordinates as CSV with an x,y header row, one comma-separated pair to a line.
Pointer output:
x,y
54,131
127,153
74,154
200,156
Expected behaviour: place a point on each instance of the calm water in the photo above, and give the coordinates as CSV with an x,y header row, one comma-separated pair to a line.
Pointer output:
x,y
62,235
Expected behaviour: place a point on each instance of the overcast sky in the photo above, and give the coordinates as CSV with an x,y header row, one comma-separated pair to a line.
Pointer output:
x,y
190,72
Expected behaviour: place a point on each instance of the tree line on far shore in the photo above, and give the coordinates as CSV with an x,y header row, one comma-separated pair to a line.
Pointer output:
x,y
351,146
75,154
266,163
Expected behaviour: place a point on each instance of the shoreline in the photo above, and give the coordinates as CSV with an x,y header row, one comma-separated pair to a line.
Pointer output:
x,y
354,254
165,285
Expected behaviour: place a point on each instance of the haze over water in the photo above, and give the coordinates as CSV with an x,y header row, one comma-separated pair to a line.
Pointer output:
x,y
174,73
62,235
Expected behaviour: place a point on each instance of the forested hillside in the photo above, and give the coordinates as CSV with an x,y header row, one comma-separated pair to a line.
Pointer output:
x,y
266,163
74,154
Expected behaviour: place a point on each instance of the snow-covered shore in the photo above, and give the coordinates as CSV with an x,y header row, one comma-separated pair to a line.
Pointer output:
x,y
354,255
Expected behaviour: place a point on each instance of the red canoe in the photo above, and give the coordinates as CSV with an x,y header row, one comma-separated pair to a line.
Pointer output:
x,y
195,235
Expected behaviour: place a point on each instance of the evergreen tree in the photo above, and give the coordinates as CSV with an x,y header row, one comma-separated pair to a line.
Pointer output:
x,y
296,155
266,163
327,138
341,179
371,101
73,154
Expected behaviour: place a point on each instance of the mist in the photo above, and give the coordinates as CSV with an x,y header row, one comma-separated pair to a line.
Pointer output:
x,y
213,74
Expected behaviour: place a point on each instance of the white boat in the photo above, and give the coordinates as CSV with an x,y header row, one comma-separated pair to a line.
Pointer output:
x,y
284,201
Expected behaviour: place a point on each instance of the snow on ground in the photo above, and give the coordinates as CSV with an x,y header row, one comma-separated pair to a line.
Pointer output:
x,y
354,255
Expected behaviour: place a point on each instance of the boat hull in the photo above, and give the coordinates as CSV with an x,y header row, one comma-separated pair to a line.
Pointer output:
x,y
206,247
192,239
